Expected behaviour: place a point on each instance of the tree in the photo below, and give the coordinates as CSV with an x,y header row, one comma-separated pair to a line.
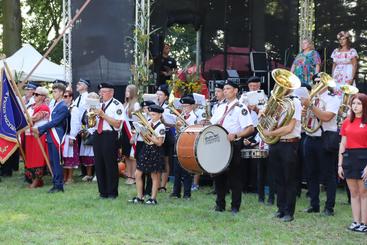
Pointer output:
x,y
12,26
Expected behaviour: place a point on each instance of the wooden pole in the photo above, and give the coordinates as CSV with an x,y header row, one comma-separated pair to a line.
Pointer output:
x,y
28,118
55,42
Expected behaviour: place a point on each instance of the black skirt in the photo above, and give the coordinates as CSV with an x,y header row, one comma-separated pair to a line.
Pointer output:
x,y
150,159
125,143
354,161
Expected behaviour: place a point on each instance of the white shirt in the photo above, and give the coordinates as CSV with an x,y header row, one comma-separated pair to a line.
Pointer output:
x,y
216,105
296,133
192,119
168,117
159,131
332,104
200,113
236,120
114,109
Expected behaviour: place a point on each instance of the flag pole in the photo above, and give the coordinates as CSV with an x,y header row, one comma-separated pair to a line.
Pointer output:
x,y
56,41
28,118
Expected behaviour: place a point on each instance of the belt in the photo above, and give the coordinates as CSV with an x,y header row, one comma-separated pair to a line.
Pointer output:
x,y
291,140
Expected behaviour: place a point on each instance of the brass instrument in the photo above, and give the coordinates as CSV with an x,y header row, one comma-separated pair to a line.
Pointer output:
x,y
325,81
174,111
144,122
279,110
348,91
91,118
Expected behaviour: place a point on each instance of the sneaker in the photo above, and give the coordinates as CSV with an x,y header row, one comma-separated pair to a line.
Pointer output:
x,y
194,187
151,201
94,178
87,178
136,200
361,228
162,189
354,226
174,195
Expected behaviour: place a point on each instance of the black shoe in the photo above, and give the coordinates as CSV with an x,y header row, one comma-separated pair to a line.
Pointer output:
x,y
174,195
136,200
312,210
219,209
234,211
278,215
112,196
328,212
54,190
151,201
187,197
287,218
103,196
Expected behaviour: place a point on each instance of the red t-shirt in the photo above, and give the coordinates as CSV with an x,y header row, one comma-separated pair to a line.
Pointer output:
x,y
356,133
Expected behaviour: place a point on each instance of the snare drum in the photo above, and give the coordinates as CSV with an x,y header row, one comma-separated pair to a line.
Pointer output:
x,y
204,149
254,153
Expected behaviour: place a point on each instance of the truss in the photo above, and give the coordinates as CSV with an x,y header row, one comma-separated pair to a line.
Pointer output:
x,y
306,19
67,41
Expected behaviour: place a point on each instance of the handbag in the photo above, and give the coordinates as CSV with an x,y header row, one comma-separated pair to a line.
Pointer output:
x,y
331,141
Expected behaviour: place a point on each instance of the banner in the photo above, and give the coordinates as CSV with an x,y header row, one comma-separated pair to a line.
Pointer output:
x,y
12,119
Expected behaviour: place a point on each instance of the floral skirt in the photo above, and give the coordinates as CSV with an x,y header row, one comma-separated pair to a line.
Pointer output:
x,y
72,162
33,173
86,161
150,159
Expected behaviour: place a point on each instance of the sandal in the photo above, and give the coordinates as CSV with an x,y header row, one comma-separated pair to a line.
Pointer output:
x,y
136,200
162,189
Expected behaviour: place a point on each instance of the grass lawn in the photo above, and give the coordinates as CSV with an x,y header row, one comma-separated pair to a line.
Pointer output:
x,y
79,217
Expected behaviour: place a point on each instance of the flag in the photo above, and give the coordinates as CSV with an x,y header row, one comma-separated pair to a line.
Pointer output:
x,y
12,119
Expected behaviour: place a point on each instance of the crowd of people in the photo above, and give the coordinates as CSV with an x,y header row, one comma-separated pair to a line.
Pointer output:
x,y
75,134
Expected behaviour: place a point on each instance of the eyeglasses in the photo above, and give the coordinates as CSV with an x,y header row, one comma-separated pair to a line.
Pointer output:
x,y
36,94
67,96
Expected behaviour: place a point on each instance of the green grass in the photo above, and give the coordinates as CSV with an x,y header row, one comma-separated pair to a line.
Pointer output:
x,y
79,217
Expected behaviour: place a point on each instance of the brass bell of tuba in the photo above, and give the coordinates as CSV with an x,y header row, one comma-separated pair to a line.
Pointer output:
x,y
150,131
279,110
348,91
175,112
91,119
325,81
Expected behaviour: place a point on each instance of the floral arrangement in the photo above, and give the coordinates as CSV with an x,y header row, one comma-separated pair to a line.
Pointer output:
x,y
185,82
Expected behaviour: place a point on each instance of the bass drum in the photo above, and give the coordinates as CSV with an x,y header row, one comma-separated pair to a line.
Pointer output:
x,y
204,149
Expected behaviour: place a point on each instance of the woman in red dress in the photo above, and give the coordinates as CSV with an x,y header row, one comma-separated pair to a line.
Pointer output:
x,y
34,159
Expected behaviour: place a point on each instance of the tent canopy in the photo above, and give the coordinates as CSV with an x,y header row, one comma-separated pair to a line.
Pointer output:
x,y
22,62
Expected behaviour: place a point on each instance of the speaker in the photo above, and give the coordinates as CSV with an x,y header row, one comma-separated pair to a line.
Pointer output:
x,y
259,62
101,42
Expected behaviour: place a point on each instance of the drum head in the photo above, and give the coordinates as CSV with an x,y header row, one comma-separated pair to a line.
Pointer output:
x,y
213,151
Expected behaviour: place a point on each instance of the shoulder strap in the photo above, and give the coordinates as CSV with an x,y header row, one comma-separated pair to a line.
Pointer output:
x,y
156,126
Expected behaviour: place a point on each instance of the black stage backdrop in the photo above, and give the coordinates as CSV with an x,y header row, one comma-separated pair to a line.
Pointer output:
x,y
101,49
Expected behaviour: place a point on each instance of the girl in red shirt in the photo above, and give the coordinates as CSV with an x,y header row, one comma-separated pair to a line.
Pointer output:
x,y
352,163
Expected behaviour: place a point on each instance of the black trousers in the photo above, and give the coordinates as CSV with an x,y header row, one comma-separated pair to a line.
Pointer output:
x,y
181,176
105,147
7,168
263,176
284,161
321,168
232,176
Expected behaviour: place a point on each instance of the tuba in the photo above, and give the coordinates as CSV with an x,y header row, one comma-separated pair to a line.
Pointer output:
x,y
279,110
144,122
348,91
91,119
325,81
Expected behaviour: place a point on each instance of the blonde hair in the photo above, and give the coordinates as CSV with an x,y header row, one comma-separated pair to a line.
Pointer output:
x,y
312,45
132,99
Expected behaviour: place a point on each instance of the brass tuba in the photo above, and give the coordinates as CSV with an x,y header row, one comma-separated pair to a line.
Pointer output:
x,y
325,81
91,119
150,131
279,110
348,91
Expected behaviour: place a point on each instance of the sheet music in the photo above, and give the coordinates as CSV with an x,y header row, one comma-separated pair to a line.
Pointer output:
x,y
256,97
140,128
199,99
92,103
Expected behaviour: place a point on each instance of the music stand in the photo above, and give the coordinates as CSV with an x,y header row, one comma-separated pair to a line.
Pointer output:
x,y
259,63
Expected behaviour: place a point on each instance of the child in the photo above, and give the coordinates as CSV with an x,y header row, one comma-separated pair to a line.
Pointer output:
x,y
151,157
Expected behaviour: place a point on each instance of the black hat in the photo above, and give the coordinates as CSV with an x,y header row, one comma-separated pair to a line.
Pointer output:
x,y
30,85
306,85
231,83
187,100
105,85
156,108
62,82
164,89
219,84
85,81
254,79
147,103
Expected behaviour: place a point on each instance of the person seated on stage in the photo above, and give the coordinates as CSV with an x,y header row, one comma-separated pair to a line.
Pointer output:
x,y
151,159
35,161
55,131
283,157
181,175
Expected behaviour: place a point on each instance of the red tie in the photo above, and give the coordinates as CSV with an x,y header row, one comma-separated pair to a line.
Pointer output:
x,y
224,116
100,122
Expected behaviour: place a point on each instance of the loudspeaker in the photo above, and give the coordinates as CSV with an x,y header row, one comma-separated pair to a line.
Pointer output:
x,y
102,42
259,62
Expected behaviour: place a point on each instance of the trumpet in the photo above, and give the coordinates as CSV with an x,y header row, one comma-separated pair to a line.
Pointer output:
x,y
150,131
325,81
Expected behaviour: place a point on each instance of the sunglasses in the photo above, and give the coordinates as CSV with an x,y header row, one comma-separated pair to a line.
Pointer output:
x,y
36,94
67,96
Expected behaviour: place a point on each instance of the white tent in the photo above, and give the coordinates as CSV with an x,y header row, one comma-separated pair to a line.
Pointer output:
x,y
22,62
